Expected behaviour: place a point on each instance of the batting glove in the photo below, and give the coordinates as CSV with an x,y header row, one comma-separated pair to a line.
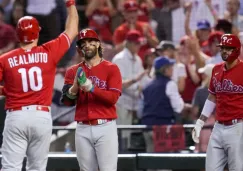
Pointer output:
x,y
84,82
197,129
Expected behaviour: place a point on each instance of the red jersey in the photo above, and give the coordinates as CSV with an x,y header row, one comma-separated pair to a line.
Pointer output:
x,y
100,21
28,75
120,35
100,104
227,86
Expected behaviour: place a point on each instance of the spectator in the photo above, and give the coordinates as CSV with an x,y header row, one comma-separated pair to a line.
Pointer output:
x,y
193,79
7,35
199,99
130,14
231,14
100,13
46,14
167,49
132,72
200,58
16,13
161,99
170,26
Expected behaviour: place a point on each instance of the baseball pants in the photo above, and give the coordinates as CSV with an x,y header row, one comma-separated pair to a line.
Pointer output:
x,y
26,133
225,146
97,146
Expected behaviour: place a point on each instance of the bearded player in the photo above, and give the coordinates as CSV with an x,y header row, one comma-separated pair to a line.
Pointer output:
x,y
28,75
226,95
94,86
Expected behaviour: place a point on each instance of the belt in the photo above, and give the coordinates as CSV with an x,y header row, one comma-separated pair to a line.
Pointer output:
x,y
31,107
95,121
231,122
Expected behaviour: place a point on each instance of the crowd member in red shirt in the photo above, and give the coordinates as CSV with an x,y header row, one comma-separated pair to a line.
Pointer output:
x,y
99,13
7,35
28,75
130,14
226,95
95,97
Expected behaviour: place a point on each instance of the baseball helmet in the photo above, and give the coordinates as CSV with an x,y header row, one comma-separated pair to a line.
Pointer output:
x,y
230,40
87,34
27,29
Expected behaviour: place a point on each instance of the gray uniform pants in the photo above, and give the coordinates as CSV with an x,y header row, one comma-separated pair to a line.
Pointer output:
x,y
97,146
27,132
225,146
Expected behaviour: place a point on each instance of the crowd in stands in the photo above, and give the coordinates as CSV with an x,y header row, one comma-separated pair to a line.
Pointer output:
x,y
165,50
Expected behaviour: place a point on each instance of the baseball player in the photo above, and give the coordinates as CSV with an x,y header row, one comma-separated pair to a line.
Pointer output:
x,y
28,75
94,86
226,95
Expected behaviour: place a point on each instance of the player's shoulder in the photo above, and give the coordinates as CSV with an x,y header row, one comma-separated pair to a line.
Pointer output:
x,y
121,28
218,66
74,67
109,65
11,53
119,56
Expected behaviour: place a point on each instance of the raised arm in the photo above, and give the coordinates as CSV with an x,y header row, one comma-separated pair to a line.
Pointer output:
x,y
71,28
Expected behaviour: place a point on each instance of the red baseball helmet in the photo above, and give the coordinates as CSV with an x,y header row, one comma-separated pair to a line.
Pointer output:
x,y
87,34
230,40
27,29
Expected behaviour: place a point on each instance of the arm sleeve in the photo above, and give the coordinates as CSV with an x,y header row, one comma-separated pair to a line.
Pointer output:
x,y
58,47
114,85
68,82
176,101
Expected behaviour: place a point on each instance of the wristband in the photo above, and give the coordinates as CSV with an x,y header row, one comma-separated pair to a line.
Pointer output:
x,y
70,3
70,95
208,108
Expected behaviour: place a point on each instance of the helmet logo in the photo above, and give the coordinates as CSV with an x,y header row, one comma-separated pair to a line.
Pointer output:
x,y
227,40
84,32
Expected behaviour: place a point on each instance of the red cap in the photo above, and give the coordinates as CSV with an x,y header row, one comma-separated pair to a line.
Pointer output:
x,y
183,39
130,5
215,37
134,36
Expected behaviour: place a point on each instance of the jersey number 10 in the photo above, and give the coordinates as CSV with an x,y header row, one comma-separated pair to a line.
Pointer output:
x,y
30,76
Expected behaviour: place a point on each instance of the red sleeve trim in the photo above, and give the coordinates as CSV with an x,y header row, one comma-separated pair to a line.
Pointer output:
x,y
211,91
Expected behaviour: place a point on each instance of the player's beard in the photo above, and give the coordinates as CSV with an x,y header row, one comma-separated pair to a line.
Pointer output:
x,y
224,56
90,54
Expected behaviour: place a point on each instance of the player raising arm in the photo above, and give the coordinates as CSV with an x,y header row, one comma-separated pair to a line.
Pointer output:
x,y
226,95
28,75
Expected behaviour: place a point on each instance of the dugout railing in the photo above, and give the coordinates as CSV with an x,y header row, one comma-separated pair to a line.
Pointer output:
x,y
133,128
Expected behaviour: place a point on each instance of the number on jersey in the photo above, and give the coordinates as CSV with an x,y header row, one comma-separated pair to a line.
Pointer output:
x,y
31,79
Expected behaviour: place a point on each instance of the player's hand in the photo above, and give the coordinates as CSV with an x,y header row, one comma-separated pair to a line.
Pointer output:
x,y
197,129
81,77
84,83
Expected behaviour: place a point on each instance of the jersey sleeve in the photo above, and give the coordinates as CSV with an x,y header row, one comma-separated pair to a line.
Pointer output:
x,y
58,47
211,87
114,80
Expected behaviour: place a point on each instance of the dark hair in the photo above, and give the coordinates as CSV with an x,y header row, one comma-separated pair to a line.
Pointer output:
x,y
100,50
224,25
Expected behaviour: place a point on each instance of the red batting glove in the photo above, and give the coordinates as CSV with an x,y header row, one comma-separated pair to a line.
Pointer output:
x,y
70,3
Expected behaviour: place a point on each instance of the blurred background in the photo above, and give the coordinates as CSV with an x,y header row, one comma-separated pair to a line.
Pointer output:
x,y
186,31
